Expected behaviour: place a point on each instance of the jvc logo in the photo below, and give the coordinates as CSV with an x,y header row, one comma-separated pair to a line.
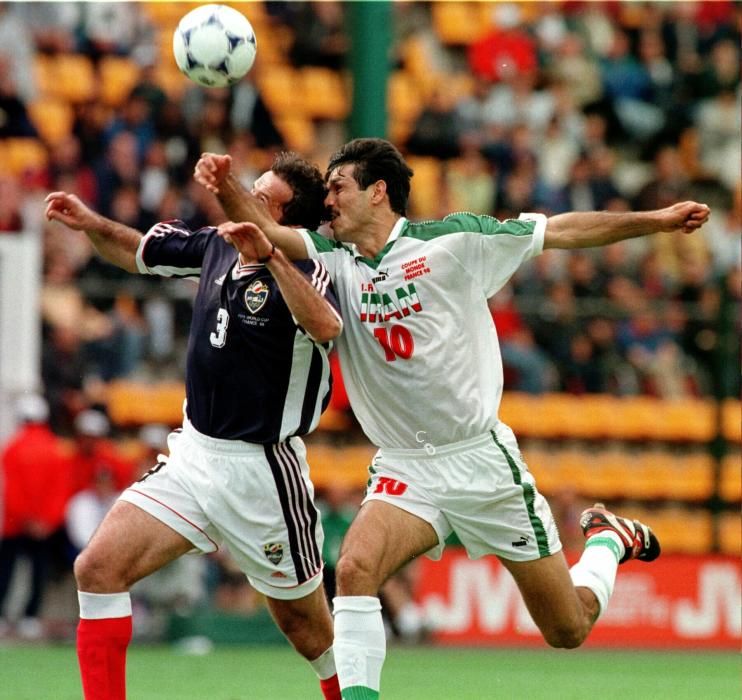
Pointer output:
x,y
391,487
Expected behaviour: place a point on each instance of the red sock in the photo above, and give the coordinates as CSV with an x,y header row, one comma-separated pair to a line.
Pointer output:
x,y
101,651
330,688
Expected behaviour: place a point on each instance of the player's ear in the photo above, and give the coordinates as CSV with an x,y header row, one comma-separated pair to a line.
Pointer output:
x,y
379,191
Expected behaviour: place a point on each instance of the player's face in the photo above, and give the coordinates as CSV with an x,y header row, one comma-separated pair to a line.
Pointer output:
x,y
349,206
273,192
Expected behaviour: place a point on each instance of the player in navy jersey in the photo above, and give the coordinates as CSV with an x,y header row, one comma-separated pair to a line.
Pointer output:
x,y
257,378
422,367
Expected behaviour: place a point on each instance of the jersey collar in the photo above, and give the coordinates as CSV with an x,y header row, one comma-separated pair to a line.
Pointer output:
x,y
395,233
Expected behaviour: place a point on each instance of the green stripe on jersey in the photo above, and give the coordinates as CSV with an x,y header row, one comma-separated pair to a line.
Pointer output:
x,y
529,496
465,222
359,692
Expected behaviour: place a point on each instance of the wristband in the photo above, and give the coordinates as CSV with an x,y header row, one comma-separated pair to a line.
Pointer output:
x,y
264,260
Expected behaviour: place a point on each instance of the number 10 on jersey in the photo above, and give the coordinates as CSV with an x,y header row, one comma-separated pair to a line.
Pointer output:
x,y
397,342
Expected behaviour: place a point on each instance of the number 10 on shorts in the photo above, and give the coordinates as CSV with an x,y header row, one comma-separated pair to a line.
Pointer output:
x,y
397,342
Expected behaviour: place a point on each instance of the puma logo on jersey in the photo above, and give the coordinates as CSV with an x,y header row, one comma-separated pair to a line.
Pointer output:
x,y
378,306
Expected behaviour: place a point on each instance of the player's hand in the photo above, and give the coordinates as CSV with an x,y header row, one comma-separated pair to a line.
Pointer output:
x,y
685,216
69,210
247,238
211,170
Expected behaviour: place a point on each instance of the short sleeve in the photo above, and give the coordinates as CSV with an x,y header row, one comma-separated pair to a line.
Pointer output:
x,y
171,249
492,250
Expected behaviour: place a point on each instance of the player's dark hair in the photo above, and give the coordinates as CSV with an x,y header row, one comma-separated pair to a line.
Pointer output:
x,y
376,159
307,206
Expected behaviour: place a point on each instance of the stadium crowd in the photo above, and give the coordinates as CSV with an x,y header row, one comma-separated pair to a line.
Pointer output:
x,y
554,107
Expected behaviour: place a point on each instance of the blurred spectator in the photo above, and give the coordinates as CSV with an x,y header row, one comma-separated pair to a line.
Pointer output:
x,y
134,117
119,28
94,451
723,235
11,196
654,353
471,183
36,489
14,119
319,35
572,64
669,184
435,132
52,24
505,51
69,172
582,372
63,373
719,122
17,50
120,166
87,508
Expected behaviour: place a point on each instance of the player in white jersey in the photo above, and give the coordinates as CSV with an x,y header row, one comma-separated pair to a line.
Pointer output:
x,y
421,362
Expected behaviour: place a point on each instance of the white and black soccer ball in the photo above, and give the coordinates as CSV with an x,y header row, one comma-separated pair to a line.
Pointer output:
x,y
214,45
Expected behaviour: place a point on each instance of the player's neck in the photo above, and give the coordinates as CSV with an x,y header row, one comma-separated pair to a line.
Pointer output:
x,y
375,236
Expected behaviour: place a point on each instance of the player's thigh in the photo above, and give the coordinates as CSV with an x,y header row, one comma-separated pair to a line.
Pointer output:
x,y
381,539
548,591
128,545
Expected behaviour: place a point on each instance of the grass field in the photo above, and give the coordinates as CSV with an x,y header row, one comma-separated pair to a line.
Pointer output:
x,y
276,673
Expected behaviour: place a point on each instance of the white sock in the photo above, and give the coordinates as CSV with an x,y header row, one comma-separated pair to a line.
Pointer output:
x,y
324,665
598,565
100,606
360,643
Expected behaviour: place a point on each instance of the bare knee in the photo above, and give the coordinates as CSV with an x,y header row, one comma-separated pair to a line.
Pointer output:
x,y
566,637
98,573
355,575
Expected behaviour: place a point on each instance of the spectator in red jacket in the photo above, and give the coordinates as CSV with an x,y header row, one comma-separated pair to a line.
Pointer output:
x,y
36,488
94,451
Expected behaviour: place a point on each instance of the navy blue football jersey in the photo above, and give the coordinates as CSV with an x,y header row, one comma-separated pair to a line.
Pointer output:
x,y
252,373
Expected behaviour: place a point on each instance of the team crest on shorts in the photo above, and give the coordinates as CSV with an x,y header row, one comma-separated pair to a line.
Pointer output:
x,y
274,552
255,296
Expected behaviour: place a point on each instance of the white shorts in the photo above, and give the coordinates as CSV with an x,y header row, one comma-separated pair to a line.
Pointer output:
x,y
258,500
479,489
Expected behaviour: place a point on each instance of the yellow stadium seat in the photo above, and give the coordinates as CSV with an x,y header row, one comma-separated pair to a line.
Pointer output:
x,y
118,75
731,418
24,155
134,403
458,23
53,118
680,530
298,131
404,97
730,484
346,465
730,535
75,79
425,195
324,92
281,88
685,420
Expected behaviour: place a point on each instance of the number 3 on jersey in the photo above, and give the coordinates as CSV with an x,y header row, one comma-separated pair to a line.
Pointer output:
x,y
218,338
397,342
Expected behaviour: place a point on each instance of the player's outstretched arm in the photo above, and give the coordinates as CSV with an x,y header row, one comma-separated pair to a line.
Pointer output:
x,y
588,229
310,309
114,242
214,172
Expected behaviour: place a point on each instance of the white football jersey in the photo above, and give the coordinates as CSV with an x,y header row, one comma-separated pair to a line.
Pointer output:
x,y
419,351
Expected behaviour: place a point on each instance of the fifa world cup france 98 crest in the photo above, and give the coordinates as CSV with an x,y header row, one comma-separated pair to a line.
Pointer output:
x,y
274,552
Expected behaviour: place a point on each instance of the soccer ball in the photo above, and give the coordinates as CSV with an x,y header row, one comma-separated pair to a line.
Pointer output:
x,y
214,45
